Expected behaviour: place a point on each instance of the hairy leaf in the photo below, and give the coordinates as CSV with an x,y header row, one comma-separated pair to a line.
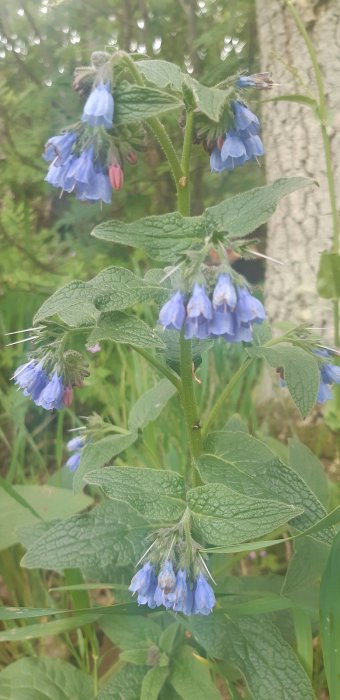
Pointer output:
x,y
162,73
126,683
134,103
222,516
96,454
150,405
44,679
191,677
311,470
156,493
120,328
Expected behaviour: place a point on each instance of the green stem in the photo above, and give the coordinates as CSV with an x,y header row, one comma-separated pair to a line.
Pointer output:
x,y
225,395
322,110
168,373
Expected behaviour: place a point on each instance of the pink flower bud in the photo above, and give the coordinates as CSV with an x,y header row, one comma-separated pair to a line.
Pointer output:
x,y
220,142
93,348
116,176
131,157
68,396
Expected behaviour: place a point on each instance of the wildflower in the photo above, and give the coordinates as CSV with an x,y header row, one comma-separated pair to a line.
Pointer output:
x,y
246,122
75,445
172,314
68,396
204,598
59,147
99,107
31,378
329,374
182,595
223,301
254,147
199,313
216,164
52,394
166,577
82,175
144,583
233,151
248,308
257,80
94,348
116,176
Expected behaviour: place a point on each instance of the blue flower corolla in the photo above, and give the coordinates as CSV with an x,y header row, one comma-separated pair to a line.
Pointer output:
x,y
324,393
245,81
144,583
254,147
330,374
199,313
223,301
75,445
233,151
59,147
31,378
58,175
246,122
167,577
216,165
79,174
248,308
98,188
52,394
172,314
182,595
204,598
73,461
99,107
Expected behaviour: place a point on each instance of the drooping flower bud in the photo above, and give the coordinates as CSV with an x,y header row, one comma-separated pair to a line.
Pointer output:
x,y
68,396
116,176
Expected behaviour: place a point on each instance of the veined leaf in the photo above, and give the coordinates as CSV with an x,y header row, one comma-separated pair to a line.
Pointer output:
x,y
95,454
191,676
120,328
44,678
156,493
149,406
134,103
222,516
162,73
126,683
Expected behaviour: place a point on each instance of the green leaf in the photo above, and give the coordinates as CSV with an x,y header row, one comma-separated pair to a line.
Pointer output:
x,y
24,613
300,99
43,679
168,236
302,580
109,534
330,619
224,517
245,212
125,685
162,73
254,646
134,103
150,405
156,493
311,470
328,281
153,683
129,632
250,467
45,629
163,237
96,454
81,303
48,501
301,372
191,676
172,352
209,100
120,328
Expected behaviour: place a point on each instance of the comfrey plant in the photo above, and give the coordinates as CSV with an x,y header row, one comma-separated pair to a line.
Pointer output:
x,y
161,534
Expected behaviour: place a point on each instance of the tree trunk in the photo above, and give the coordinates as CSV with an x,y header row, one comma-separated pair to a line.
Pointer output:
x,y
302,227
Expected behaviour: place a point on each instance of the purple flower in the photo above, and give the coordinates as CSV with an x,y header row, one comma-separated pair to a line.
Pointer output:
x,y
172,314
258,80
31,378
75,445
73,461
144,583
246,122
182,595
199,313
224,301
233,152
166,577
99,107
59,147
204,599
254,147
52,395
248,308
216,165
83,176
330,374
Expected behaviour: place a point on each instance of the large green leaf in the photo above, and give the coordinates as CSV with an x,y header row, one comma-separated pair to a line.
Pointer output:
x,y
112,533
131,632
311,470
134,103
330,619
168,236
150,405
222,516
254,646
120,328
44,679
96,454
153,682
125,685
48,501
301,372
302,580
81,303
156,493
191,677
329,275
162,73
247,465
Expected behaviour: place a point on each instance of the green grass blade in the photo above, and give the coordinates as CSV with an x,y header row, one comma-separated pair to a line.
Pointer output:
x,y
330,619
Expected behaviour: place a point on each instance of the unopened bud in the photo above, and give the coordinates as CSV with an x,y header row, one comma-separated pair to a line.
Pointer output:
x,y
116,176
68,396
131,157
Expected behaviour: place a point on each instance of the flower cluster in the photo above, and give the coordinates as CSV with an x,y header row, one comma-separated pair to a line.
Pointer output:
x,y
74,446
261,81
84,160
230,312
45,390
173,590
240,144
329,374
